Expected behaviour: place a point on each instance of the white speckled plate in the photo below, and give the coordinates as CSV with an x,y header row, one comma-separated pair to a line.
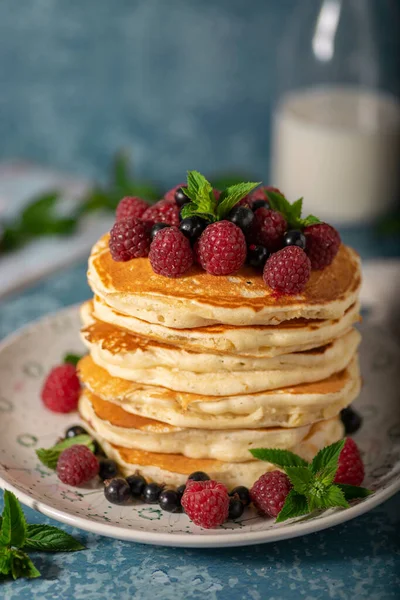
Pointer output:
x,y
25,425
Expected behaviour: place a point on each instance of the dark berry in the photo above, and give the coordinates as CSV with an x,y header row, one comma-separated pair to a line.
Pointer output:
x,y
241,493
193,227
74,431
117,490
136,483
241,216
151,493
295,237
107,468
170,501
181,490
198,476
180,197
257,256
97,449
259,204
351,420
156,228
236,508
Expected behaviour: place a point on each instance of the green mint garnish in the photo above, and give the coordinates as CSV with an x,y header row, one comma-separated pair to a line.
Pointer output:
x,y
73,359
203,202
313,487
16,536
291,212
49,456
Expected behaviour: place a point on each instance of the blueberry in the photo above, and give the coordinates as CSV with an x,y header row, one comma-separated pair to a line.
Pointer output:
x,y
241,493
151,493
351,420
193,227
257,256
170,501
74,431
259,204
181,490
107,468
242,217
295,237
117,490
156,228
236,508
136,483
199,476
180,197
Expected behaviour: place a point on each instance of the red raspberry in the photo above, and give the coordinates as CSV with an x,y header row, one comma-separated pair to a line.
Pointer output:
x,y
130,206
288,270
170,253
269,492
170,195
76,465
206,503
60,392
268,228
129,238
163,211
222,248
351,468
322,244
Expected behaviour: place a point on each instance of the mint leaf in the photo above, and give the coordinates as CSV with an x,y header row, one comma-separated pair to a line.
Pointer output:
x,y
190,210
324,464
49,456
73,359
291,212
296,209
301,478
279,203
351,492
280,458
5,561
295,506
195,182
46,538
201,194
329,497
310,220
22,566
13,530
232,195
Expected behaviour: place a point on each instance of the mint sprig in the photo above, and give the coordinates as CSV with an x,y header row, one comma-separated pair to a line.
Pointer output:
x,y
72,359
203,202
49,456
16,536
313,487
291,212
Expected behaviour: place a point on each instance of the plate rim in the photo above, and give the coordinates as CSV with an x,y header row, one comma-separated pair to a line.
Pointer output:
x,y
216,540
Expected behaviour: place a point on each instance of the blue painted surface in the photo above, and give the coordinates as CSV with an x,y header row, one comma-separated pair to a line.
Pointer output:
x,y
356,560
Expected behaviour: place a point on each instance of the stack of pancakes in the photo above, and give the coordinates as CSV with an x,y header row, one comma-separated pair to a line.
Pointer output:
x,y
188,374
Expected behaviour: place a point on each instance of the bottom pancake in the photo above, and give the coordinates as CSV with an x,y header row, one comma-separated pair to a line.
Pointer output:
x,y
173,469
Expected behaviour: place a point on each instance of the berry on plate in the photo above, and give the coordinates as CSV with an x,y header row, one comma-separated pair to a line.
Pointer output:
x,y
351,467
222,248
198,476
206,503
162,212
61,389
136,483
151,493
322,244
288,270
268,229
130,206
117,490
129,238
170,253
269,492
351,420
77,465
170,501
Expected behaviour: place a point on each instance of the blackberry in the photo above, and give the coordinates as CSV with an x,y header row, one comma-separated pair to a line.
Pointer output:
x,y
170,501
117,490
136,483
199,476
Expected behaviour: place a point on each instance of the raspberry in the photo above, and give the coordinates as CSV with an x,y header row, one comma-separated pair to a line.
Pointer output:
x,y
206,503
129,238
351,468
170,195
76,465
61,389
269,492
268,229
130,206
170,253
163,211
322,244
222,248
288,270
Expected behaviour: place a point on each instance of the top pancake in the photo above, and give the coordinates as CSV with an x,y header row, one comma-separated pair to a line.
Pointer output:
x,y
197,298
